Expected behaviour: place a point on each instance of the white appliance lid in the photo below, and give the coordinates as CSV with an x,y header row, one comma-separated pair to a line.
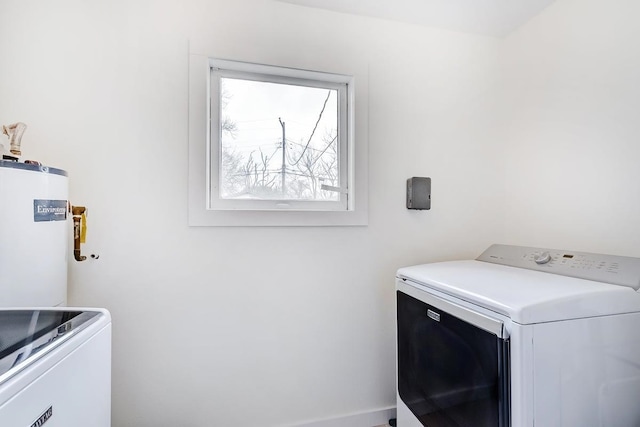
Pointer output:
x,y
526,296
28,333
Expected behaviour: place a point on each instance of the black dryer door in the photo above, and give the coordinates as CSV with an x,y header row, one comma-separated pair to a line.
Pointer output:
x,y
451,373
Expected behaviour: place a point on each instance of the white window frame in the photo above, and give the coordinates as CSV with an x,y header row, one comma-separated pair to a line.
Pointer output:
x,y
265,73
206,209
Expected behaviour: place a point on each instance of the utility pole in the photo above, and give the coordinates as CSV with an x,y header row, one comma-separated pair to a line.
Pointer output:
x,y
284,146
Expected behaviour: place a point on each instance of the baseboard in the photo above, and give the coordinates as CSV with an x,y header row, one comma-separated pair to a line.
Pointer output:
x,y
364,419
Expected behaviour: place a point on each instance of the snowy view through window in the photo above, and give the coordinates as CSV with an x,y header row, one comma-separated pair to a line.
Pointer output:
x,y
278,141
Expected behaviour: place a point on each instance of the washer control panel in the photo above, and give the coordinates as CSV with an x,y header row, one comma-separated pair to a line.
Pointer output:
x,y
617,270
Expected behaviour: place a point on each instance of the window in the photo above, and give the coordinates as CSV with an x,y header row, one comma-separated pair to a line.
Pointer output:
x,y
279,146
278,139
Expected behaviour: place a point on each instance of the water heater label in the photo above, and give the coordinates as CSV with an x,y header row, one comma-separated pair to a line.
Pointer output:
x,y
49,210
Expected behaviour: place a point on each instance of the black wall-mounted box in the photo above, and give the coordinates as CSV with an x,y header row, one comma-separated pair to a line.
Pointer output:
x,y
419,193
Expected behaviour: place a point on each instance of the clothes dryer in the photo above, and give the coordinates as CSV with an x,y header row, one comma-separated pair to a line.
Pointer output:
x,y
523,337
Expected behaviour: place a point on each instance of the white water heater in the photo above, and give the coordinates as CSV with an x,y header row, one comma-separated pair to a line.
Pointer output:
x,y
34,235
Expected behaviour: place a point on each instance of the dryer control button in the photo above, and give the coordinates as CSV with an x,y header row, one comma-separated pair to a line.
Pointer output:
x,y
542,258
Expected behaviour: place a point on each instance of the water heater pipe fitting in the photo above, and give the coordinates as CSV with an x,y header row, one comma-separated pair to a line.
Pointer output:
x,y
77,212
14,132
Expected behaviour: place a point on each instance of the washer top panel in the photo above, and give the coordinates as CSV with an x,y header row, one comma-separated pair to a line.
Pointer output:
x,y
524,295
617,270
27,334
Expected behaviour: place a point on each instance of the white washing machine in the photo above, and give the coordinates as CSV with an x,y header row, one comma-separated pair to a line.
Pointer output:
x,y
520,337
55,367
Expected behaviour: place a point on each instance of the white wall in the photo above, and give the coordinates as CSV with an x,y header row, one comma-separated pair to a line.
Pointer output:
x,y
247,326
572,136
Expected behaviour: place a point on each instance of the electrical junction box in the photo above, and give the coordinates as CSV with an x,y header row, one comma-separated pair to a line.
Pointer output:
x,y
419,193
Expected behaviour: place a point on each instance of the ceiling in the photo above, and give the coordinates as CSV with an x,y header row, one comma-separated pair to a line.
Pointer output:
x,y
495,18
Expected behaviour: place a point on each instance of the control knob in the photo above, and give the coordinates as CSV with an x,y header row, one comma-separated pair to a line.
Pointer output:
x,y
542,258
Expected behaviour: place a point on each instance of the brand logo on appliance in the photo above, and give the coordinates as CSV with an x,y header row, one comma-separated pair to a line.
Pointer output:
x,y
49,210
43,418
433,315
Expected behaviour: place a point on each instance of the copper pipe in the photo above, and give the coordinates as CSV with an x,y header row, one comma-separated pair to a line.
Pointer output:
x,y
77,212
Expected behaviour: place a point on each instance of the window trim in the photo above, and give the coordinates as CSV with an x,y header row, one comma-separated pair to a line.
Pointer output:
x,y
199,172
